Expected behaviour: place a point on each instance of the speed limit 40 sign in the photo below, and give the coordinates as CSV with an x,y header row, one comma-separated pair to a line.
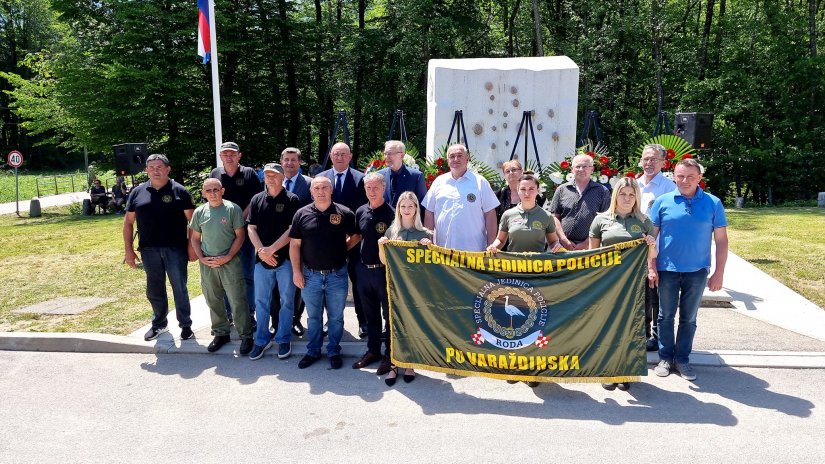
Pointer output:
x,y
15,159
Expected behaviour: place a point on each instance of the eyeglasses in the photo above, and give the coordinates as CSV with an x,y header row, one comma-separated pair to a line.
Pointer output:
x,y
582,166
652,160
513,170
215,190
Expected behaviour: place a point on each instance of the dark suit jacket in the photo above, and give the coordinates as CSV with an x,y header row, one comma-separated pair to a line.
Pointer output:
x,y
301,189
407,179
354,194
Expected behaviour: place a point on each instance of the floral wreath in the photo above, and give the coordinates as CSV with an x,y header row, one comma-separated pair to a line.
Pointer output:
x,y
676,149
605,169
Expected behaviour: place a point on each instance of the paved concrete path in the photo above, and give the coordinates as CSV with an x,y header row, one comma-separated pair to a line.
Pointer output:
x,y
45,202
90,408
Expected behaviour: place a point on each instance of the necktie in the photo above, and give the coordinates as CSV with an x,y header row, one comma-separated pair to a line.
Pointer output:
x,y
339,183
289,185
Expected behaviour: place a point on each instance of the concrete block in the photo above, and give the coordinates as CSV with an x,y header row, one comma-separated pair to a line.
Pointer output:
x,y
493,93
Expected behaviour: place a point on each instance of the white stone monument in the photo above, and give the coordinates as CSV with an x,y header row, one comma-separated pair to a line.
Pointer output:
x,y
493,93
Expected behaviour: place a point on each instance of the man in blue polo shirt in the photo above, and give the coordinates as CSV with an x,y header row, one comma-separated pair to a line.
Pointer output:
x,y
686,220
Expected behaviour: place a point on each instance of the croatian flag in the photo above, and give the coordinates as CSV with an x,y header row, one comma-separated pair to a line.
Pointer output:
x,y
204,42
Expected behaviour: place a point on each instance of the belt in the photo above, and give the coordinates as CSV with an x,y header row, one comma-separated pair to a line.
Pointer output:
x,y
372,266
321,271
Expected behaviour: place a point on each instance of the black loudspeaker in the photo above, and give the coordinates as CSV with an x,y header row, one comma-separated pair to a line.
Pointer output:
x,y
696,128
130,158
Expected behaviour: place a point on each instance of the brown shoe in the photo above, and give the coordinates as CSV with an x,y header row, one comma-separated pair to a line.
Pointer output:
x,y
385,367
366,360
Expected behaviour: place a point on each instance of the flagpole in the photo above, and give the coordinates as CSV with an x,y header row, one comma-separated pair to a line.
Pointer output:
x,y
216,90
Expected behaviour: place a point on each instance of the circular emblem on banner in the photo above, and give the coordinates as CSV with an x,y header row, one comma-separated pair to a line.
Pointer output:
x,y
166,199
510,313
471,197
239,182
335,219
635,228
538,225
279,208
380,227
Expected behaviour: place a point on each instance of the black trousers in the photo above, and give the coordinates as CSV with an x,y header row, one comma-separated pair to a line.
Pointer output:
x,y
651,311
372,288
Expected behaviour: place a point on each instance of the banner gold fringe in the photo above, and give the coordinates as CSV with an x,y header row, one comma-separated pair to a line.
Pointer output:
x,y
520,378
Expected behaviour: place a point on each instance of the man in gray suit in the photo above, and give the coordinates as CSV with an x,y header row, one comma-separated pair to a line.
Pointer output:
x,y
298,184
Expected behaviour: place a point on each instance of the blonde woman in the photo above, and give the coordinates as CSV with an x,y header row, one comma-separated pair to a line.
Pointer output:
x,y
623,221
406,226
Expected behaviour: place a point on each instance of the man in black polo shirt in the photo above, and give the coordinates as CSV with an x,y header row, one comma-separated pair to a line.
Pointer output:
x,y
320,236
162,209
373,220
270,217
240,184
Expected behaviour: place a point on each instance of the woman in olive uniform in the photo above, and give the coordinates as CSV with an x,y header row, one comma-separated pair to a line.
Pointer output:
x,y
406,226
623,221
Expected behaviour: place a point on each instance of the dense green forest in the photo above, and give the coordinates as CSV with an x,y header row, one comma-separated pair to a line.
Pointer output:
x,y
77,74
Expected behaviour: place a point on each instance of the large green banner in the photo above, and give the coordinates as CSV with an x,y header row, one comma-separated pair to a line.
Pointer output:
x,y
564,317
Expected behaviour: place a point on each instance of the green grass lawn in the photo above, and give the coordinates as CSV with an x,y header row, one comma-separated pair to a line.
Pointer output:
x,y
786,243
28,184
61,254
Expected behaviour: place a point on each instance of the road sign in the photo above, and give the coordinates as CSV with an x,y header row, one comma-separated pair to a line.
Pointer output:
x,y
15,159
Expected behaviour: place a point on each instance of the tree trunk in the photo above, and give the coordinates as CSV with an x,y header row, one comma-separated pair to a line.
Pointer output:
x,y
656,25
703,50
511,30
359,84
291,80
538,46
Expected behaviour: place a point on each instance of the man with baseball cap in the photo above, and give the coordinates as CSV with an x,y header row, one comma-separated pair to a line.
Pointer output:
x,y
270,218
240,184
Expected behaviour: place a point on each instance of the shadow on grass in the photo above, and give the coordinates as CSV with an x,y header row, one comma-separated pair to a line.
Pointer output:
x,y
763,261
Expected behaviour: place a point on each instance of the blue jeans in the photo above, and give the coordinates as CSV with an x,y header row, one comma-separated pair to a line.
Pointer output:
x,y
328,291
158,263
265,280
682,291
247,255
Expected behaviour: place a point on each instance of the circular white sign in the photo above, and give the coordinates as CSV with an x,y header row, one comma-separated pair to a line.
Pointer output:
x,y
15,159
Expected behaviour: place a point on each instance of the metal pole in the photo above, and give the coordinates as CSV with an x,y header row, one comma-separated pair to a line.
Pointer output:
x,y
16,193
216,89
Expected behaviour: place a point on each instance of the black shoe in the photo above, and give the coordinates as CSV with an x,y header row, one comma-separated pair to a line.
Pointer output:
x,y
335,362
390,381
366,360
532,384
362,332
624,386
298,328
307,361
512,382
409,377
609,386
217,343
154,333
246,346
186,333
385,367
652,344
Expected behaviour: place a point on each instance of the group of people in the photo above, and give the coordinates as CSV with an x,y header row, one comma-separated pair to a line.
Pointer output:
x,y
106,201
267,251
